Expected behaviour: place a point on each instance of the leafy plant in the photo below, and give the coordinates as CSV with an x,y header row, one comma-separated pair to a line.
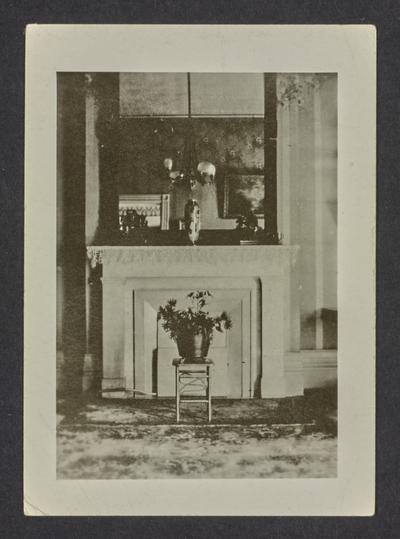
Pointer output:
x,y
193,319
247,225
248,221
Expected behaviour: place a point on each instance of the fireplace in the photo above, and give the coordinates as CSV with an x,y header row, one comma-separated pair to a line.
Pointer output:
x,y
256,284
235,354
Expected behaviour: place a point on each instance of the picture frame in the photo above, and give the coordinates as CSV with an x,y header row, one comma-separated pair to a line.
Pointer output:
x,y
156,208
244,193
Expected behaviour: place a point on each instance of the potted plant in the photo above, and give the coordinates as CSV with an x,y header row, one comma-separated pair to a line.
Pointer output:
x,y
192,328
247,226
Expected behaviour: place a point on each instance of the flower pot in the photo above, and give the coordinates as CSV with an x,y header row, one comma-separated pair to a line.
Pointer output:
x,y
194,346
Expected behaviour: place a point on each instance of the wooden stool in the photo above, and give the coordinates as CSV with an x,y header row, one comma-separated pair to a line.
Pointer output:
x,y
192,375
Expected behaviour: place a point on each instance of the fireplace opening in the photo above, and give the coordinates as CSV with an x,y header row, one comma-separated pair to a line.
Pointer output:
x,y
235,353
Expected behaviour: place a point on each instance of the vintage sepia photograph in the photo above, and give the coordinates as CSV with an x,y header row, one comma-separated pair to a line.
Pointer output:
x,y
199,280
196,275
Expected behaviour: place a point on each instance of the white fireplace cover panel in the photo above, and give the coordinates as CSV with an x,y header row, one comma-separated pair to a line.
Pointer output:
x,y
149,351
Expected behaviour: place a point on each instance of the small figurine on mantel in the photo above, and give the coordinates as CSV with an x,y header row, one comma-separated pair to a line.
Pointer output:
x,y
248,229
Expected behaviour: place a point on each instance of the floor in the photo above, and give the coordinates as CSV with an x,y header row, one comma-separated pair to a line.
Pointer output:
x,y
139,439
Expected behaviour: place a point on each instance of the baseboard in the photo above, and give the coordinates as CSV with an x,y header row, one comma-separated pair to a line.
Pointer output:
x,y
319,359
320,368
308,369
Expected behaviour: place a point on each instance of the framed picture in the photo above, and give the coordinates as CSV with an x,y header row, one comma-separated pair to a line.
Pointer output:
x,y
244,193
155,208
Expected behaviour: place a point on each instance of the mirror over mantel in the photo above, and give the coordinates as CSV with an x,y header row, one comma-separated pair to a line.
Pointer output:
x,y
233,120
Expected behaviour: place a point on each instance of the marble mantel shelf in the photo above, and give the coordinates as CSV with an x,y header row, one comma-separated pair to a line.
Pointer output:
x,y
204,255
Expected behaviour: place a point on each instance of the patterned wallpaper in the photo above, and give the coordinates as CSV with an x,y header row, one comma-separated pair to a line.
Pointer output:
x,y
237,143
232,144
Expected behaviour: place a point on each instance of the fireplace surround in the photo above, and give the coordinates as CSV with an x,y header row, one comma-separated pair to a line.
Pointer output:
x,y
133,276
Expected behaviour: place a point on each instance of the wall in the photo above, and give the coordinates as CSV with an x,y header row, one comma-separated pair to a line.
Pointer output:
x,y
307,197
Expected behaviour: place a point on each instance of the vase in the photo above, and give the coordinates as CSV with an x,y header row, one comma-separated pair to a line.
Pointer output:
x,y
192,220
194,346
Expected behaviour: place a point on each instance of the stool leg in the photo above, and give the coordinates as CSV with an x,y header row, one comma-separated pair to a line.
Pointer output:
x,y
177,393
209,393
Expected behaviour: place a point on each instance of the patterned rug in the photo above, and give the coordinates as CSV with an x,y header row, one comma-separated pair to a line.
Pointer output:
x,y
139,440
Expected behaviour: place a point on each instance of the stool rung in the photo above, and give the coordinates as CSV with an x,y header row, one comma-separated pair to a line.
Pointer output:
x,y
194,400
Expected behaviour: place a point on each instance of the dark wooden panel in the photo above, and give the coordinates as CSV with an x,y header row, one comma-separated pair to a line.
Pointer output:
x,y
270,135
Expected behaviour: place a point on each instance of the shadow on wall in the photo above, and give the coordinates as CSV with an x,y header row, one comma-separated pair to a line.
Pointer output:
x,y
328,318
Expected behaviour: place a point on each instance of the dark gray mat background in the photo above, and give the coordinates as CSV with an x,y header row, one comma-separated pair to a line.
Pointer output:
x,y
14,15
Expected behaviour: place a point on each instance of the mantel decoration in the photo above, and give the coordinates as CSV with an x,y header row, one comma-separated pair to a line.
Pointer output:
x,y
192,328
137,212
192,220
192,170
248,228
